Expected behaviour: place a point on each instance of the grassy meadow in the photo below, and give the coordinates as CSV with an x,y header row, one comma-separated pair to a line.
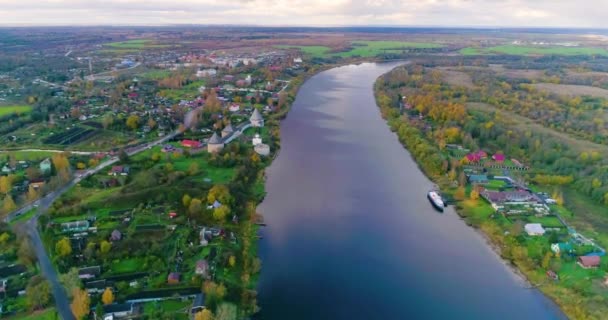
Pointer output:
x,y
362,48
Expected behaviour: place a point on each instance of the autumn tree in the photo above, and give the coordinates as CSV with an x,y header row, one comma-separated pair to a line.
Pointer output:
x,y
151,123
474,194
205,314
80,303
195,207
107,121
221,213
63,247
25,253
186,200
133,122
38,293
6,184
226,311
193,169
8,204
108,296
105,247
32,173
220,193
460,193
32,193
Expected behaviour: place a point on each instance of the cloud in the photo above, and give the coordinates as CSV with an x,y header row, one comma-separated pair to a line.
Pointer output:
x,y
562,13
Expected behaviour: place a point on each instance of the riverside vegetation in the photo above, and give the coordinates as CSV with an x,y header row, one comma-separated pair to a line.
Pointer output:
x,y
428,114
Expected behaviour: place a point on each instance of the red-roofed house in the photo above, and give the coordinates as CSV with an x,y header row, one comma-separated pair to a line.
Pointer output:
x,y
476,156
172,215
133,95
589,261
173,278
498,157
191,144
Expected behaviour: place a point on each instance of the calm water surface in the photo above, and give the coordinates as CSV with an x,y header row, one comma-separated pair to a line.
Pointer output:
x,y
350,232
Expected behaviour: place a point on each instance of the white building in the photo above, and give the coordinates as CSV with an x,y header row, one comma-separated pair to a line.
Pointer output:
x,y
534,229
228,130
206,73
256,140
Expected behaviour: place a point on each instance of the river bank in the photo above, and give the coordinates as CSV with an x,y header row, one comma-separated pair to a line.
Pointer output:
x,y
514,256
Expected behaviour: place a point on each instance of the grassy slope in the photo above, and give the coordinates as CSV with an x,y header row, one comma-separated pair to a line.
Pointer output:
x,y
362,48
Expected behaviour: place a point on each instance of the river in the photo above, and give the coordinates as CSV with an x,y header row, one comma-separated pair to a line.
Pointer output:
x,y
350,233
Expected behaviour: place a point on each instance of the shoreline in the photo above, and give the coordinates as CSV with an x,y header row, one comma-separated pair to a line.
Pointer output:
x,y
492,246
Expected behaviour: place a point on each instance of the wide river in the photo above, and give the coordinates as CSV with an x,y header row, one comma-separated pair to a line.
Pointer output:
x,y
350,233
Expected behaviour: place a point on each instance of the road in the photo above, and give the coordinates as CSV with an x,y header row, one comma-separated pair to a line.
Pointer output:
x,y
62,302
52,150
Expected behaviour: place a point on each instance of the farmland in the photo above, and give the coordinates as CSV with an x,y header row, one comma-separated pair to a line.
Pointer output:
x,y
538,50
18,109
363,48
70,136
137,44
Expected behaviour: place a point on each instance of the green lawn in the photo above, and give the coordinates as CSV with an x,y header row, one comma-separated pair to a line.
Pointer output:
x,y
46,314
496,184
547,221
6,110
530,50
363,48
126,266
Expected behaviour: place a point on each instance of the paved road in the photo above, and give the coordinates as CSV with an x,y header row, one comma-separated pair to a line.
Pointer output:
x,y
52,150
61,300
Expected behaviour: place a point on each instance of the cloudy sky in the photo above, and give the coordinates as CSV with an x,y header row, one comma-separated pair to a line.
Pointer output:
x,y
558,13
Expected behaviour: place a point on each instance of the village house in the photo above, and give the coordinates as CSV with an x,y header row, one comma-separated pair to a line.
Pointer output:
x,y
120,311
191,144
215,144
45,166
475,157
561,248
89,272
588,262
499,157
500,199
119,171
75,226
534,229
173,278
477,179
206,73
115,235
256,119
202,268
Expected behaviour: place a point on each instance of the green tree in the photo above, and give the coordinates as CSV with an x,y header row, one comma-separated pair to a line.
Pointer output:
x,y
63,247
70,281
546,263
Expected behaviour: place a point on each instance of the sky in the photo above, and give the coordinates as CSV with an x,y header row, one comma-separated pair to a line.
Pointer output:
x,y
454,13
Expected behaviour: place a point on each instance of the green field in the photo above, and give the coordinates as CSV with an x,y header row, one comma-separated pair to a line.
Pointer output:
x,y
28,155
529,50
6,110
131,46
126,266
363,48
46,314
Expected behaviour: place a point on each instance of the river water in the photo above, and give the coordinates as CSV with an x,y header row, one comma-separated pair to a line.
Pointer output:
x,y
350,233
